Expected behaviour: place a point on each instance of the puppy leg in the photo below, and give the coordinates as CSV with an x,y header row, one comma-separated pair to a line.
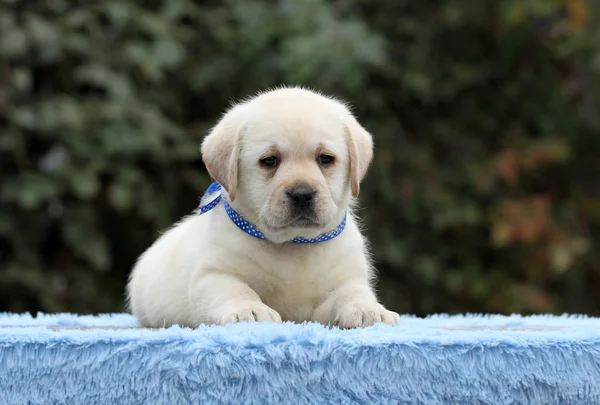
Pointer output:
x,y
222,298
353,305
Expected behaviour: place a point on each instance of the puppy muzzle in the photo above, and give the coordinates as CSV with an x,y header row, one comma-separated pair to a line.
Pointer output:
x,y
302,202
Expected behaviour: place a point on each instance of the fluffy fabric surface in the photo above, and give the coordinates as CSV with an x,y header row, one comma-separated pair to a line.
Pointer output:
x,y
69,359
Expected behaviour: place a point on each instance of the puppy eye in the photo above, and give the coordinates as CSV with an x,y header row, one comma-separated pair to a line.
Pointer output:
x,y
325,160
269,162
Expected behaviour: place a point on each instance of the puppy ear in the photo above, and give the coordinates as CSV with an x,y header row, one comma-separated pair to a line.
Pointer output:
x,y
360,148
220,150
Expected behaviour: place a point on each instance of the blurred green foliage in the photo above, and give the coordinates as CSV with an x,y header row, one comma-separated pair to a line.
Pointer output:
x,y
485,191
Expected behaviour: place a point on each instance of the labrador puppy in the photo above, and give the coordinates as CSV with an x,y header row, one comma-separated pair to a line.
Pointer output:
x,y
275,237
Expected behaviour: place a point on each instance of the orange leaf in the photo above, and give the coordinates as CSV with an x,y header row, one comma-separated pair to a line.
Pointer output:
x,y
507,166
579,13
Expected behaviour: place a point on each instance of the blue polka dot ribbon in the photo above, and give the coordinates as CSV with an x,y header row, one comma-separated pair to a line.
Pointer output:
x,y
212,197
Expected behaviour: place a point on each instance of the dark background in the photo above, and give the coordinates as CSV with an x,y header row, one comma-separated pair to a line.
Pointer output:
x,y
485,191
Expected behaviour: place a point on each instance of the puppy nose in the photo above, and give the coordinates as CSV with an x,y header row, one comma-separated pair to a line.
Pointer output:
x,y
302,196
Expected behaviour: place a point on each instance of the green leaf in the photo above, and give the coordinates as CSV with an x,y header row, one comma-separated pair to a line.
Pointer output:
x,y
121,196
31,190
84,236
13,43
85,182
169,53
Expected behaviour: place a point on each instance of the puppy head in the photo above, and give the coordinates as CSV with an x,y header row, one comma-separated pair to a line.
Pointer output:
x,y
291,160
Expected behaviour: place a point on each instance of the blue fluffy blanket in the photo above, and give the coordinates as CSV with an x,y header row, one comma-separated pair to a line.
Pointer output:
x,y
68,359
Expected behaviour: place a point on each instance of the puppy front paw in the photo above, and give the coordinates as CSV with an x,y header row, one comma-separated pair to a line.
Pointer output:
x,y
250,312
357,315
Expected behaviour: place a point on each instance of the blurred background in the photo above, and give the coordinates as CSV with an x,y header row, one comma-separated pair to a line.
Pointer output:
x,y
485,191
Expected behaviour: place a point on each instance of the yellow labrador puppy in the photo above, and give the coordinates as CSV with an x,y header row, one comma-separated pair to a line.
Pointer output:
x,y
274,237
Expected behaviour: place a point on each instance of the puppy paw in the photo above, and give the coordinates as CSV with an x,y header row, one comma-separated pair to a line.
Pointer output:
x,y
250,312
357,316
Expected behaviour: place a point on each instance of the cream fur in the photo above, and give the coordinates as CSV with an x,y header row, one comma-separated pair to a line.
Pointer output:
x,y
204,270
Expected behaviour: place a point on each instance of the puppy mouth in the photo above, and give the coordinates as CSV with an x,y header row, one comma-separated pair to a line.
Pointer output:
x,y
304,222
